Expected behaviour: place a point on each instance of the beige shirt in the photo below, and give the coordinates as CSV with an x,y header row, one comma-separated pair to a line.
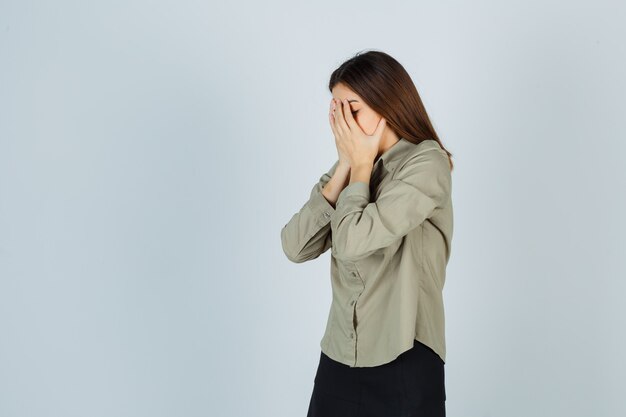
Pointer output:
x,y
390,243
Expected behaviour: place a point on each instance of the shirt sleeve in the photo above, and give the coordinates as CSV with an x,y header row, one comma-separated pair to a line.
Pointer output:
x,y
360,227
307,234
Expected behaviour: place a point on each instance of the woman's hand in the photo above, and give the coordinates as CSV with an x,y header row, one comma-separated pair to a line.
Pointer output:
x,y
344,161
353,146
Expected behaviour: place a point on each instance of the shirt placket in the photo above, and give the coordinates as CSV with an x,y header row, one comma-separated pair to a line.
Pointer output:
x,y
358,284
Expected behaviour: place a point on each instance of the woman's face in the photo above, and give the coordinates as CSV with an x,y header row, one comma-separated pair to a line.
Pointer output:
x,y
364,116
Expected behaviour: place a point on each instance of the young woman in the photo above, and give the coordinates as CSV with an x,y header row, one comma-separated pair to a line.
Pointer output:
x,y
384,209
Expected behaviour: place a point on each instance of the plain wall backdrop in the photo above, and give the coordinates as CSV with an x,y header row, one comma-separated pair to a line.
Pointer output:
x,y
151,151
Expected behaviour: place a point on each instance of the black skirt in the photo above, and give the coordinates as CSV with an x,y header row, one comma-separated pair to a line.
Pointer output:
x,y
412,385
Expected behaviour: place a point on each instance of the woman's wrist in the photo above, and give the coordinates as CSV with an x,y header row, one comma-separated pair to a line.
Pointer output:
x,y
343,165
361,172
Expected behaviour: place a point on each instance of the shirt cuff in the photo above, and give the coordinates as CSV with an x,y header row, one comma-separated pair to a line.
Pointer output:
x,y
321,208
357,193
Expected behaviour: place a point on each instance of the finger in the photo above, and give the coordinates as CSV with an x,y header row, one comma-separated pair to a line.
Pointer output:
x,y
352,124
341,118
380,127
331,119
338,117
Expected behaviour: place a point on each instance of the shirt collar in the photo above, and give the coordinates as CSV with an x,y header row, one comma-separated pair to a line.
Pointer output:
x,y
392,156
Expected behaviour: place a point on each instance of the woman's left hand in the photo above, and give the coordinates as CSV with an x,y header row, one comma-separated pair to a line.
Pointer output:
x,y
359,148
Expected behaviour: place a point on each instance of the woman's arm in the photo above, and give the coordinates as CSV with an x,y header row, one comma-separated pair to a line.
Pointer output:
x,y
361,227
307,234
337,182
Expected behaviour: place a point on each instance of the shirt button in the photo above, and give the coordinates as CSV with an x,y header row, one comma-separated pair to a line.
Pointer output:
x,y
326,214
351,335
352,302
353,274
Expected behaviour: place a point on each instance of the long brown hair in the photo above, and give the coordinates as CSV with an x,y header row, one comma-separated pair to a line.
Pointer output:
x,y
387,88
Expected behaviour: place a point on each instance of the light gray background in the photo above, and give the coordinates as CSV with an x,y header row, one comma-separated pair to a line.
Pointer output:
x,y
150,153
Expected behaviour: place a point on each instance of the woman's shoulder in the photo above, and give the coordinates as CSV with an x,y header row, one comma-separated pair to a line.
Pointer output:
x,y
426,155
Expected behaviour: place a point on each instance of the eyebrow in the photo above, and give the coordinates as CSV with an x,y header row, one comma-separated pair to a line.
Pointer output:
x,y
353,101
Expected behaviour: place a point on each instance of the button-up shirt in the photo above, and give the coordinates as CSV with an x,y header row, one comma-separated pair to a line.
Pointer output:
x,y
390,243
